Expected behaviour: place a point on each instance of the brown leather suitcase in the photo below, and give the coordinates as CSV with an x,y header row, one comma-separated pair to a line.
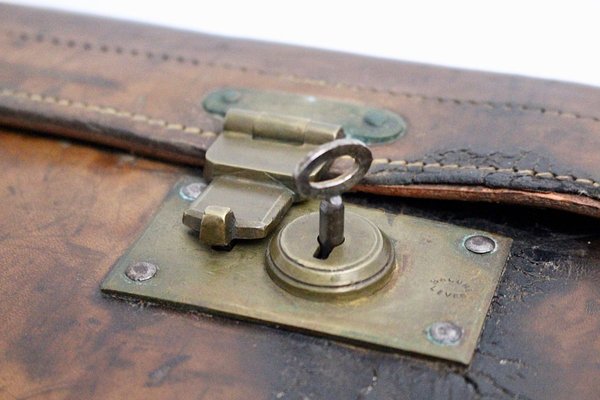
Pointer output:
x,y
101,119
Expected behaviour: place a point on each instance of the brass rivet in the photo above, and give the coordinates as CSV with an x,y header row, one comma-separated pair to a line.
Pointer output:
x,y
375,118
231,96
191,191
445,333
480,244
141,271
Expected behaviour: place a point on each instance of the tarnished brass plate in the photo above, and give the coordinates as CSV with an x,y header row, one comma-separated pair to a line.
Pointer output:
x,y
370,125
437,280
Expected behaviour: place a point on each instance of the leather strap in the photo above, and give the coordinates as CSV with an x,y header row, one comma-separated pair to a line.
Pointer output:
x,y
471,135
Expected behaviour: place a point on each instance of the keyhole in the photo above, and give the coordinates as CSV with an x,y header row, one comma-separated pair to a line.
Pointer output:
x,y
322,252
331,226
331,210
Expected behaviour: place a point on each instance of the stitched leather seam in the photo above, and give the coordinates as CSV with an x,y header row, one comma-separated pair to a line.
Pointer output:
x,y
508,106
112,111
403,166
426,167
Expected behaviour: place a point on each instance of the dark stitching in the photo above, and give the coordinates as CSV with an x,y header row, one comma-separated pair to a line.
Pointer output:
x,y
24,36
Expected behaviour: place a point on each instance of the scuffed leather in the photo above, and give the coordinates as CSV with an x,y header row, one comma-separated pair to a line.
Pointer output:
x,y
471,135
496,170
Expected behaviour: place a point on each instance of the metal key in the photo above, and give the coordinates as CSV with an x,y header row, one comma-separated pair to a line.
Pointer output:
x,y
331,211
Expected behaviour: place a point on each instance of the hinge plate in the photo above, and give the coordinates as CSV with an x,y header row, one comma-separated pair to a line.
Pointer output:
x,y
436,280
368,124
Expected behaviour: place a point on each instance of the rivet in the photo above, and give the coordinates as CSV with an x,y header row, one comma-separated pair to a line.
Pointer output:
x,y
375,118
141,271
231,96
191,191
480,244
444,333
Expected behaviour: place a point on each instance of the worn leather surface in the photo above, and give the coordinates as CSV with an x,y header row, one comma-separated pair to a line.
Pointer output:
x,y
69,211
471,135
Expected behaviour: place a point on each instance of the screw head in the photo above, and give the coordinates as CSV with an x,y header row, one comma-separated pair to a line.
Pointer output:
x,y
191,191
375,118
141,271
444,333
231,96
480,244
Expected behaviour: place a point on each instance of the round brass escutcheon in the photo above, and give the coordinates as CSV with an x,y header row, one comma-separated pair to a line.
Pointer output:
x,y
359,266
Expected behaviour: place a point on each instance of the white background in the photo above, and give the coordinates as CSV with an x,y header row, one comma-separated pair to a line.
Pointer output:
x,y
548,39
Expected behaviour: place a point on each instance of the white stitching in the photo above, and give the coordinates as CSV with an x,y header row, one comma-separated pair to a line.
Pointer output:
x,y
435,165
35,97
39,98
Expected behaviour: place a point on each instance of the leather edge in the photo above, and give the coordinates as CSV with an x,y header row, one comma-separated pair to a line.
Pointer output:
x,y
558,201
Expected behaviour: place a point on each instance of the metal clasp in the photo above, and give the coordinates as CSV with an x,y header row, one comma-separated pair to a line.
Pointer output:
x,y
250,167
346,271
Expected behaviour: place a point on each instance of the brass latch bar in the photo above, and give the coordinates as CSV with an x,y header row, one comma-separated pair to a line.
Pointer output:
x,y
250,166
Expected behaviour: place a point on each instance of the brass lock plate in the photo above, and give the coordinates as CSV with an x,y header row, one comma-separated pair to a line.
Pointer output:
x,y
435,303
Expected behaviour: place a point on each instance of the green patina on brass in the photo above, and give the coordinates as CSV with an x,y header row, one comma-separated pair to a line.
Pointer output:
x,y
436,279
368,124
